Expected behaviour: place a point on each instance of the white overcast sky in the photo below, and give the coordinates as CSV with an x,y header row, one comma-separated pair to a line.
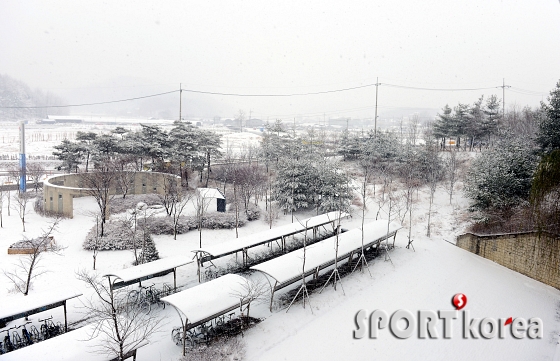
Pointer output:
x,y
264,47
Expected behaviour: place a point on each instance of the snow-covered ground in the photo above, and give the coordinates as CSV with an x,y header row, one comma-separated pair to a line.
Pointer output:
x,y
424,279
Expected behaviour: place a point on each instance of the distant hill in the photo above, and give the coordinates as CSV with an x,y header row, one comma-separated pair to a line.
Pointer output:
x,y
15,93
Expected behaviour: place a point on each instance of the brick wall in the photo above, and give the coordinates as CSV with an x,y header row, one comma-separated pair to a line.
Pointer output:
x,y
530,253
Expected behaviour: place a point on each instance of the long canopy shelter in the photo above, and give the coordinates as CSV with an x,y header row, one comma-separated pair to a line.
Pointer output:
x,y
277,233
70,346
287,269
161,267
209,300
23,306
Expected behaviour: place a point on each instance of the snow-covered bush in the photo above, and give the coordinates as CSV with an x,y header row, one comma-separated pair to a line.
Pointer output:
x,y
118,236
225,349
215,220
119,204
253,212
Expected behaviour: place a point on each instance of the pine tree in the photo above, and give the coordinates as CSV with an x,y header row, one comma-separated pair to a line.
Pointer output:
x,y
149,252
548,136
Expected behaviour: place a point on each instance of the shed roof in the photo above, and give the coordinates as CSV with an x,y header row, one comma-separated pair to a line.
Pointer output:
x,y
208,299
289,266
238,244
22,306
150,268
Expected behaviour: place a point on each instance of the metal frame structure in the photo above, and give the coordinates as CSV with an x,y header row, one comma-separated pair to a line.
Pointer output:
x,y
316,268
207,301
36,303
278,233
159,268
63,347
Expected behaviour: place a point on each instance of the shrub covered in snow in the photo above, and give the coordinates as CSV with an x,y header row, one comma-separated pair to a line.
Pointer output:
x,y
119,204
253,212
215,220
117,236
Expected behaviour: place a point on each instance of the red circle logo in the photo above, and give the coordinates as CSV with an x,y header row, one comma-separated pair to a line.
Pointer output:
x,y
459,301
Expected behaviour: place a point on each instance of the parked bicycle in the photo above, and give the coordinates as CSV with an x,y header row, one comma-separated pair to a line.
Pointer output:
x,y
28,337
144,298
49,329
8,345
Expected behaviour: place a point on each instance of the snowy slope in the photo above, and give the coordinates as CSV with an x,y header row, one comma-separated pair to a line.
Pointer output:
x,y
424,279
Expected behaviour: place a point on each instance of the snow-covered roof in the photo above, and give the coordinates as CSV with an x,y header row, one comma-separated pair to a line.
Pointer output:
x,y
255,239
208,299
211,193
21,306
289,266
71,346
148,269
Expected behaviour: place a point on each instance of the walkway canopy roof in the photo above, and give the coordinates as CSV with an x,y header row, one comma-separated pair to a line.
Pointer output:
x,y
21,306
211,299
288,268
161,267
239,244
71,346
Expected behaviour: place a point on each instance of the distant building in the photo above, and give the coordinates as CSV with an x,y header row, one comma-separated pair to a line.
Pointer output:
x,y
64,119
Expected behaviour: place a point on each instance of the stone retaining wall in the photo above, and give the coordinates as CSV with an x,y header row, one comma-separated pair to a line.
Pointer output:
x,y
530,253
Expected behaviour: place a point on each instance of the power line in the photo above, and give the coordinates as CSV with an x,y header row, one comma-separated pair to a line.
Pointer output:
x,y
433,89
86,104
278,95
377,84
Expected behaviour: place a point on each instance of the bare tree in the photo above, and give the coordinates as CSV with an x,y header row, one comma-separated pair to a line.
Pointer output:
x,y
451,166
14,174
413,124
182,198
98,242
335,275
201,204
125,174
250,291
433,177
35,171
98,184
27,268
303,288
121,329
2,196
364,193
21,201
171,193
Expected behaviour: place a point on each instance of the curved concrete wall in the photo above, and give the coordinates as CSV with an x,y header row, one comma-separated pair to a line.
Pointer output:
x,y
60,190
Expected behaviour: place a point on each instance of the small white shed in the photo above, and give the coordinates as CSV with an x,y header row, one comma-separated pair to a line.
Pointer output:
x,y
216,199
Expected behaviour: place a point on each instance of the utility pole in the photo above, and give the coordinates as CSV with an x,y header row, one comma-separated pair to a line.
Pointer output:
x,y
180,100
504,86
376,92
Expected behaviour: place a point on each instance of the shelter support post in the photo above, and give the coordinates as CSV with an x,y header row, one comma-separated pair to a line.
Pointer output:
x,y
65,318
198,266
174,279
272,294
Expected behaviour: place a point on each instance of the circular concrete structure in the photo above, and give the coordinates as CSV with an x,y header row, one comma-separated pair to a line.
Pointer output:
x,y
60,190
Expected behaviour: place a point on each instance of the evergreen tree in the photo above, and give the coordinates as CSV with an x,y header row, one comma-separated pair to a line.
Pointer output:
x,y
548,136
442,125
70,154
149,252
501,178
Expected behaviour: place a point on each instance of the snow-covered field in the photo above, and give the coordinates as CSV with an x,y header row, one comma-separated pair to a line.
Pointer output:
x,y
424,279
